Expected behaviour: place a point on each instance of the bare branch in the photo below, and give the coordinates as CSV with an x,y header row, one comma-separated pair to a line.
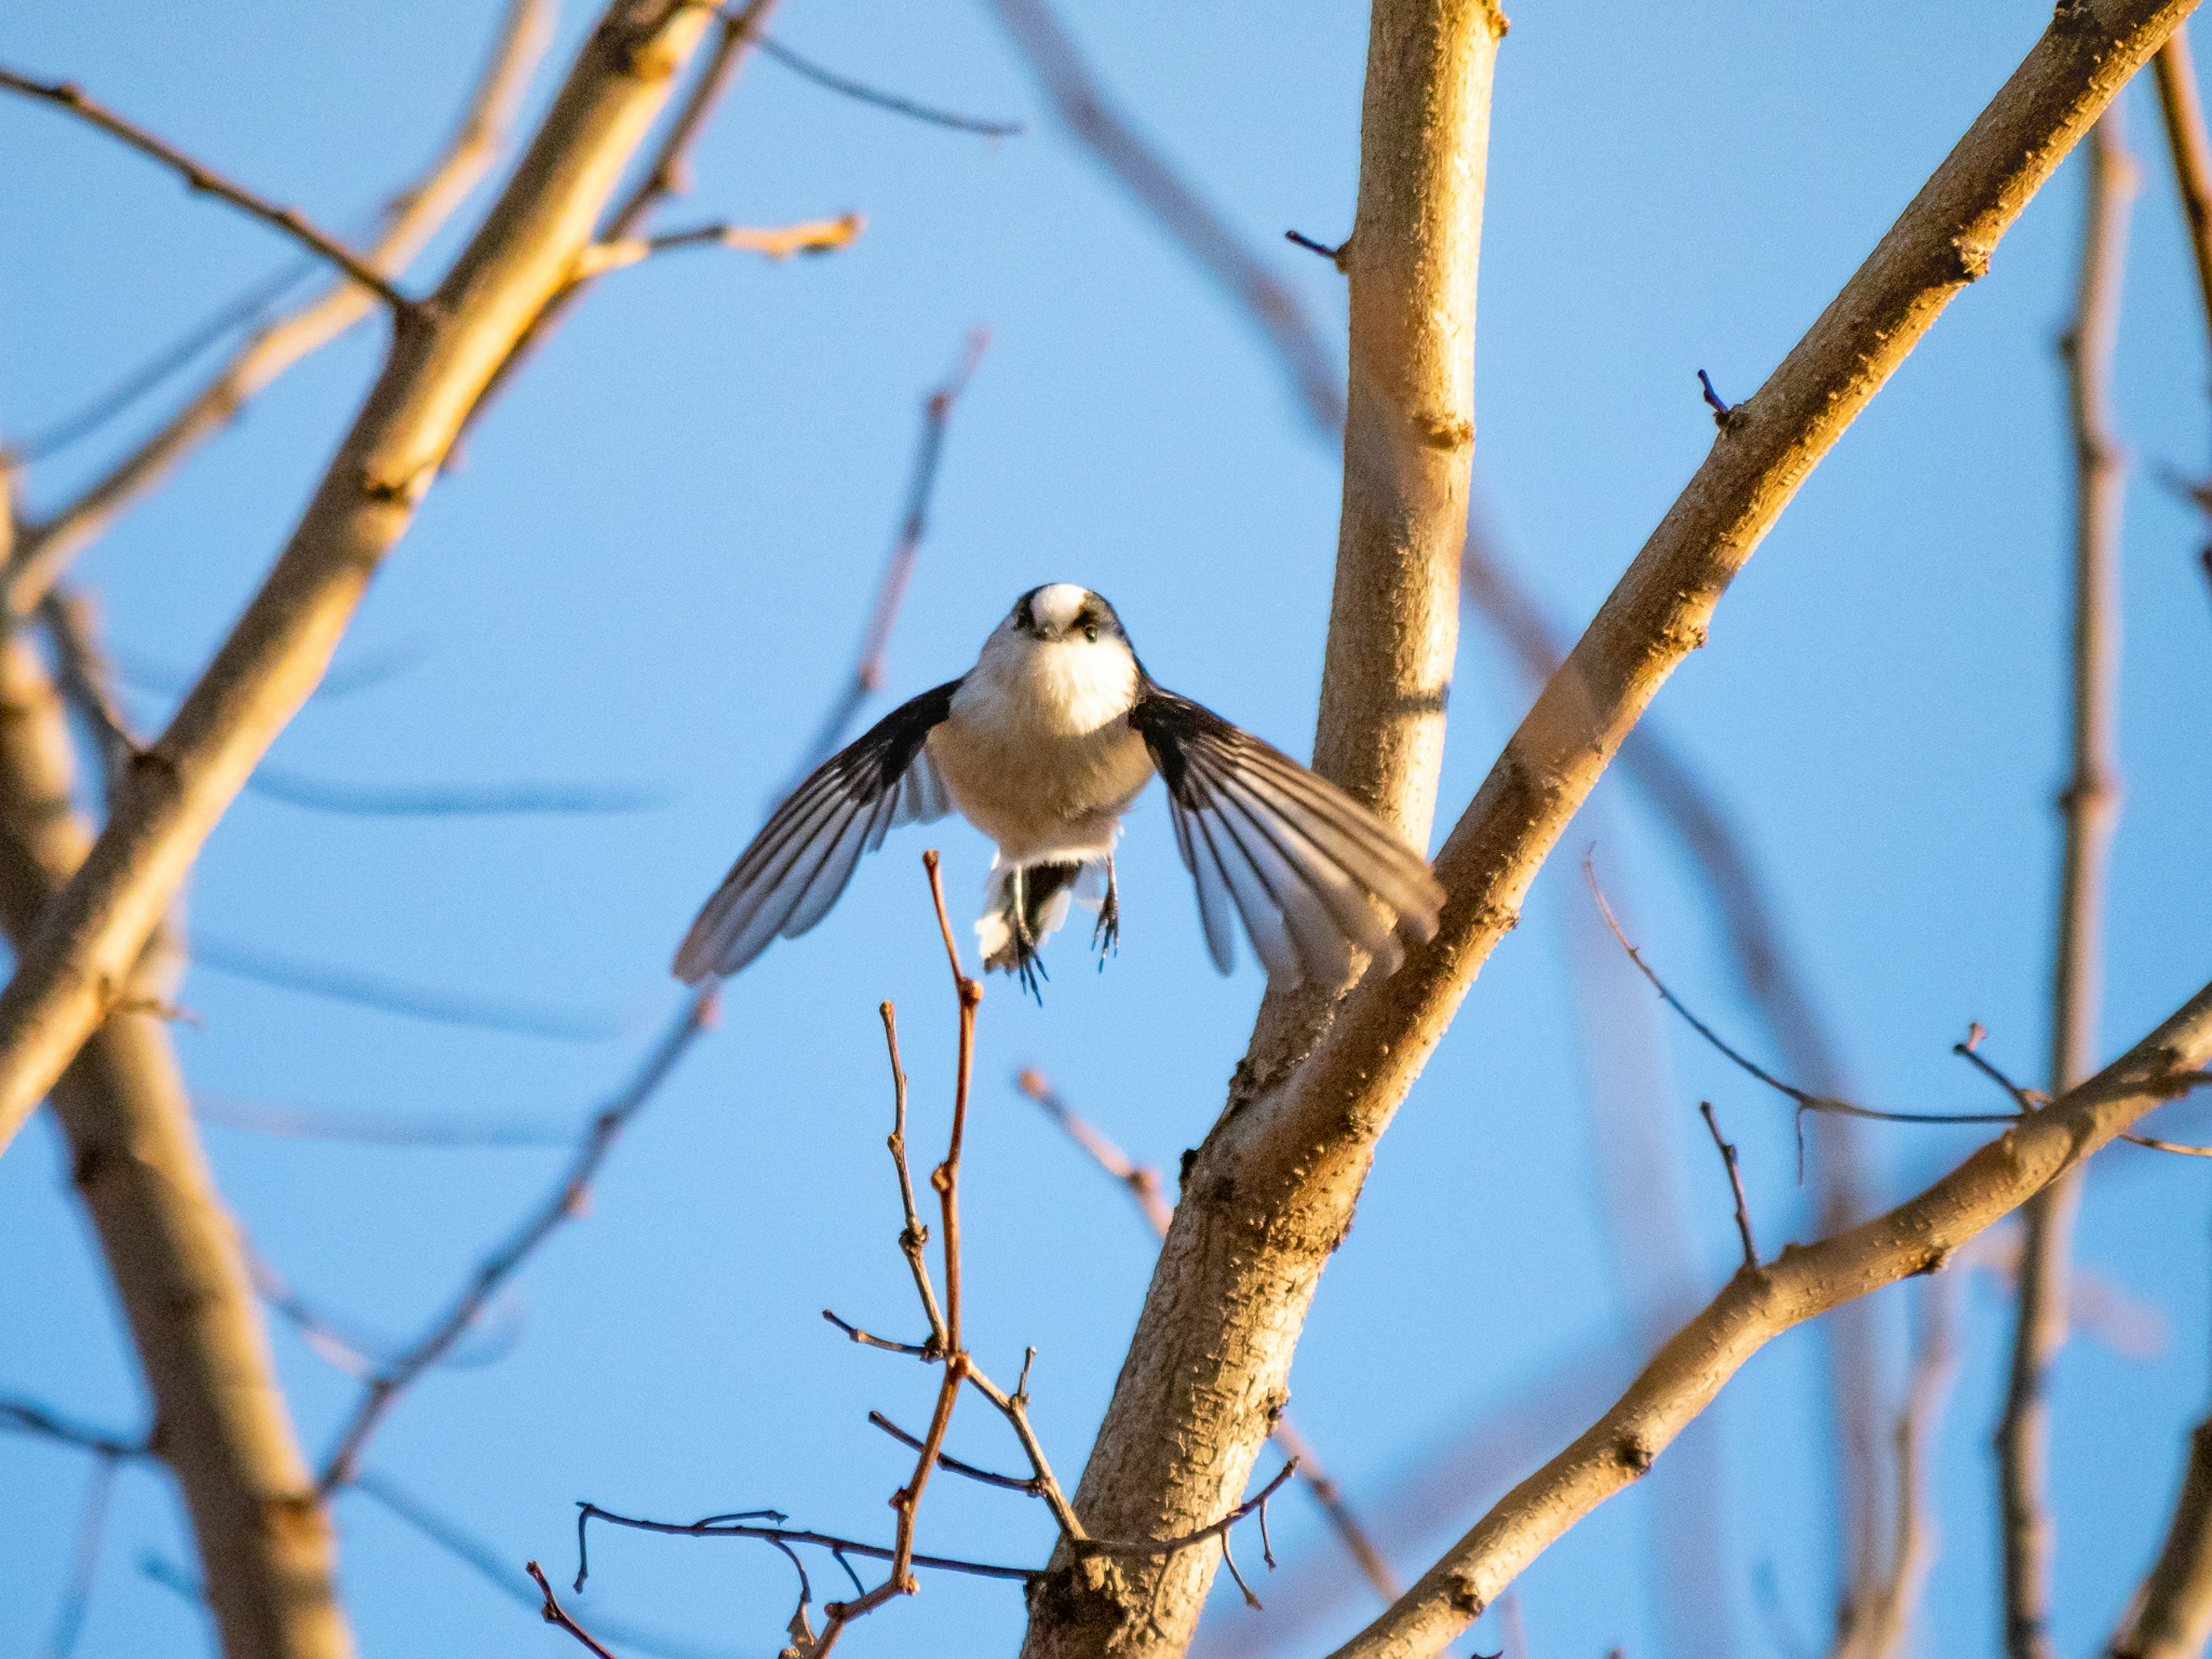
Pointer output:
x,y
1213,1347
22,1417
666,175
265,1546
84,1560
2192,151
557,1615
731,1527
66,981
205,180
774,242
2090,808
898,569
952,1465
563,1204
913,1235
929,114
457,800
378,990
1736,1184
47,546
1083,106
433,1128
2171,1615
1917,1237
1141,1180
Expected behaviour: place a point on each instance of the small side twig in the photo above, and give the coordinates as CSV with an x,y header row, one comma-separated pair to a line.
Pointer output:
x,y
929,114
204,179
1736,1184
1721,410
776,242
555,1613
913,1235
1805,1099
1141,1180
952,1465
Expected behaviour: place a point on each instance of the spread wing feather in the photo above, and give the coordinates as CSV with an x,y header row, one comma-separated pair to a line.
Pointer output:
x,y
1315,876
803,856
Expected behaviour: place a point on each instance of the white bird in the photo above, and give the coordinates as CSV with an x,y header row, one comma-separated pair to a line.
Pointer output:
x,y
1042,746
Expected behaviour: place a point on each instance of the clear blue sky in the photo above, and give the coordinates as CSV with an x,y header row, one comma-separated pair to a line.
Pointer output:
x,y
651,572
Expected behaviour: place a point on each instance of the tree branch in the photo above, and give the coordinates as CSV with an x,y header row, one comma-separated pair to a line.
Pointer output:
x,y
860,92
1271,1191
206,181
564,1203
441,355
773,242
2089,806
46,547
1083,105
2172,1617
1917,1237
2192,151
265,1546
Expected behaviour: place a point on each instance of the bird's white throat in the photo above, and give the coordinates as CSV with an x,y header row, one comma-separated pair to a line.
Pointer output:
x,y
1067,687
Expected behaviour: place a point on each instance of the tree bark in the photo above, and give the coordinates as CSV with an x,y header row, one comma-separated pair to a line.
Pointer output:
x,y
1759,1304
1394,629
267,1552
443,352
1270,1194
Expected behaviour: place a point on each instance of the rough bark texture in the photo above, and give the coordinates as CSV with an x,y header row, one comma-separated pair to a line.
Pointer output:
x,y
443,351
267,1554
1760,1303
1270,1194
1182,1457
2172,1618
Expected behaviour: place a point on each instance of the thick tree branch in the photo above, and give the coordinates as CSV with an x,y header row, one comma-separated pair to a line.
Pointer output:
x,y
1195,1402
205,180
265,1545
2089,806
46,547
441,356
1759,1304
2172,1618
1271,1191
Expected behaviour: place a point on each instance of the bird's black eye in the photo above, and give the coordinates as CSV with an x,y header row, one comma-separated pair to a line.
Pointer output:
x,y
1090,632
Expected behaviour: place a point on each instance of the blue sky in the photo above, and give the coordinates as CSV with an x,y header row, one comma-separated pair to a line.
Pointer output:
x,y
651,572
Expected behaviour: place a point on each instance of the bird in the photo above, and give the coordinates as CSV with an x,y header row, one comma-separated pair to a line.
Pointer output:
x,y
1044,745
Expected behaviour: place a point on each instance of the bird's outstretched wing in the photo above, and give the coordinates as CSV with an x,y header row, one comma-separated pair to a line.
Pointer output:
x,y
787,879
1299,859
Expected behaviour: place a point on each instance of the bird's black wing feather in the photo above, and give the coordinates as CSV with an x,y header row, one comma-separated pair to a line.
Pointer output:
x,y
794,870
1314,874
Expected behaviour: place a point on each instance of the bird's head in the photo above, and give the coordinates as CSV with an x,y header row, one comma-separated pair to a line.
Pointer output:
x,y
1060,613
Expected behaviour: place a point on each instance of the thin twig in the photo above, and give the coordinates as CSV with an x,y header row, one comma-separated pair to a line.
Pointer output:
x,y
392,996
1219,1528
1141,1180
2088,807
912,1350
1805,1099
455,800
363,1128
952,1465
207,181
22,1417
1736,1185
913,1236
666,175
776,242
84,1560
412,218
727,1526
898,569
496,1567
859,91
1143,1184
1082,103
562,1204
244,311
557,1614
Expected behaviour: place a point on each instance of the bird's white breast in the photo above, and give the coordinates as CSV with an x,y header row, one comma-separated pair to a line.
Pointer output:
x,y
1038,751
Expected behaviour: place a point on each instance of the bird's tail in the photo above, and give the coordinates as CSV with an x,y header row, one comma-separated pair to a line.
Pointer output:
x,y
1023,905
